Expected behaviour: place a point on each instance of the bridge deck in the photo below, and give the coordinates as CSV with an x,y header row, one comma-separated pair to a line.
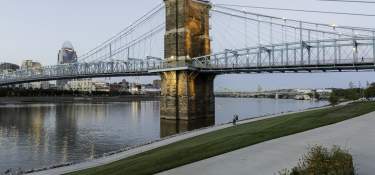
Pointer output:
x,y
290,69
331,55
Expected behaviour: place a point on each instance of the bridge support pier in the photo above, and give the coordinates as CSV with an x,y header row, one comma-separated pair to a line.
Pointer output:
x,y
187,95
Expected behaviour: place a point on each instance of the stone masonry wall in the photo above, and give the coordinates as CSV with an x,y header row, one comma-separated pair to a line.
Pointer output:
x,y
186,95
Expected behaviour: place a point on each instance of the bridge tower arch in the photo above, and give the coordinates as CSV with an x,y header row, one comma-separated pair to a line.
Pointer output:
x,y
186,94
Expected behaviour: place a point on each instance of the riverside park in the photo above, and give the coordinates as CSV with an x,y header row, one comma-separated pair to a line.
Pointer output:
x,y
182,87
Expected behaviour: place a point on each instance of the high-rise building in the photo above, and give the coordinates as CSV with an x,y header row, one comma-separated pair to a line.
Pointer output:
x,y
66,55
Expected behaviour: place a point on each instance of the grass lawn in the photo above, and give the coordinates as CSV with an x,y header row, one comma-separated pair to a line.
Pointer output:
x,y
226,140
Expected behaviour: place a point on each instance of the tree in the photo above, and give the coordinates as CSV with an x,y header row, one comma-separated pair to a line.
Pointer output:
x,y
317,95
333,99
370,92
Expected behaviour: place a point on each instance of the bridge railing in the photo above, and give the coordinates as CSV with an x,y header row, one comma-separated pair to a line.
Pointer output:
x,y
337,53
81,70
332,52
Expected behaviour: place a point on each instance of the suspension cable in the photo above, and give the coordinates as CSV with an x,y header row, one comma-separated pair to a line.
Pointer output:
x,y
228,7
299,10
125,31
243,17
134,42
365,2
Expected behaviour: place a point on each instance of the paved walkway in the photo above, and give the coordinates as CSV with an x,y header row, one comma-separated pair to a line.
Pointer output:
x,y
267,158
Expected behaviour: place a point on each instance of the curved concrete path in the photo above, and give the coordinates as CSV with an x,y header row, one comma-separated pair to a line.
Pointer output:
x,y
267,158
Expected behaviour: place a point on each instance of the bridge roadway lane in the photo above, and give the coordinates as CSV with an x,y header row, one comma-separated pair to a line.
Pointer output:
x,y
267,158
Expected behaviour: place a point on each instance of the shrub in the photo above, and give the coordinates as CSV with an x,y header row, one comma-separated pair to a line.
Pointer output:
x,y
370,92
321,161
333,99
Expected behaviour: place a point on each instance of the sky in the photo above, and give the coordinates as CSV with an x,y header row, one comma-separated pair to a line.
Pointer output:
x,y
36,30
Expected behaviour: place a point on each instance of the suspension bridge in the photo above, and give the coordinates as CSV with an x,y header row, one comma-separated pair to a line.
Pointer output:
x,y
189,42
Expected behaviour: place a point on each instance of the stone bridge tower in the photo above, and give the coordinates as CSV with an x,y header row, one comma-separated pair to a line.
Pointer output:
x,y
186,94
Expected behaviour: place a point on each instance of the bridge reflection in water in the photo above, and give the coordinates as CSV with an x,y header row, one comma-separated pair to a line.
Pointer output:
x,y
172,127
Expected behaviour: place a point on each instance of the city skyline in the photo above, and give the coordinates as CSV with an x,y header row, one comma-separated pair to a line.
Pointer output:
x,y
28,37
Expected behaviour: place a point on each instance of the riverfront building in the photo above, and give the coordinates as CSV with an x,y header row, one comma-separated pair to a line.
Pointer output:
x,y
8,67
66,55
36,67
87,85
30,64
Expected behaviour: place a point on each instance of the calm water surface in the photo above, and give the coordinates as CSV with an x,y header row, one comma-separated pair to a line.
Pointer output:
x,y
40,135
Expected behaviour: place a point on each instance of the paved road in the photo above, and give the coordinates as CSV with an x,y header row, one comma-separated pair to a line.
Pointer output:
x,y
267,158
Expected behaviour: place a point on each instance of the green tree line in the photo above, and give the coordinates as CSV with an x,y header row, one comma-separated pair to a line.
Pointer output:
x,y
339,95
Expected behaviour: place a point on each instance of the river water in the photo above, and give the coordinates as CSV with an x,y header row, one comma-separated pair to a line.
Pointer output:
x,y
41,135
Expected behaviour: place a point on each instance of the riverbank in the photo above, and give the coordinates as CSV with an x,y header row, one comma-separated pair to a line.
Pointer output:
x,y
357,135
176,151
70,99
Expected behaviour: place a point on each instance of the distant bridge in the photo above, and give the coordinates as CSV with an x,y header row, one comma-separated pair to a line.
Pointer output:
x,y
265,94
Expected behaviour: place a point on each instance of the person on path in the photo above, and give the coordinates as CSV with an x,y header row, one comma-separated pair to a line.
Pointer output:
x,y
234,120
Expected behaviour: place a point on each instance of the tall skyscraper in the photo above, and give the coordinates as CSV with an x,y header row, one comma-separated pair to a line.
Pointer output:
x,y
66,55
